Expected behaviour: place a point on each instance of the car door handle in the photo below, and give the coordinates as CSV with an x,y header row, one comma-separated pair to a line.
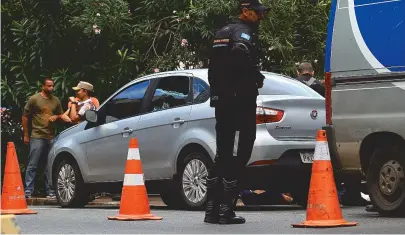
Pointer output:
x,y
178,121
127,130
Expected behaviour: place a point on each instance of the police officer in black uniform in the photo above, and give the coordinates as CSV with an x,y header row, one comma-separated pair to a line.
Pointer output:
x,y
234,77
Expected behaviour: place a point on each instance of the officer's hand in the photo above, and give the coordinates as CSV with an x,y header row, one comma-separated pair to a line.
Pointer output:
x,y
260,84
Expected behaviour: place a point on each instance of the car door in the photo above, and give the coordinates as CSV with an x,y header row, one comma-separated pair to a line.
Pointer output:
x,y
107,146
160,130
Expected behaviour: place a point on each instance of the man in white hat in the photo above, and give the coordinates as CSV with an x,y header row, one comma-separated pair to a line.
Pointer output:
x,y
82,102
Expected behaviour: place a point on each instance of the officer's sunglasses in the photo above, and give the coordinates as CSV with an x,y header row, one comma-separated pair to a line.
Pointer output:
x,y
259,13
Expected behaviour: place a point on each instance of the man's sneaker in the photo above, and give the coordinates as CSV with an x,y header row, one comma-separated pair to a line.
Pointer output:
x,y
27,196
51,196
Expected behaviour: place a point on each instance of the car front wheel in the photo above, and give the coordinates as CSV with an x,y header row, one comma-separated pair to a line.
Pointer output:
x,y
69,186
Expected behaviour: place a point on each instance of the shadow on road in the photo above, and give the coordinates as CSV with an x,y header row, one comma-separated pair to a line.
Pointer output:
x,y
376,215
239,208
246,208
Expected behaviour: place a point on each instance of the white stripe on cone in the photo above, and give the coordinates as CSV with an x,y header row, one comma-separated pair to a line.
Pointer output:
x,y
133,154
133,179
321,151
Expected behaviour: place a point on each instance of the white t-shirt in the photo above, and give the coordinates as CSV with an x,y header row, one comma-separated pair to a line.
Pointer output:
x,y
83,106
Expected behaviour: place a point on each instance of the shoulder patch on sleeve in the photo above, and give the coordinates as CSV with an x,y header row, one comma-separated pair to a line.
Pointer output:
x,y
245,36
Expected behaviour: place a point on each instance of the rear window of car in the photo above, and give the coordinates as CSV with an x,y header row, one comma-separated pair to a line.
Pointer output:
x,y
279,85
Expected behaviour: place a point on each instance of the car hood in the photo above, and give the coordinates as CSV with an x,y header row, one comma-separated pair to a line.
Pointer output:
x,y
70,131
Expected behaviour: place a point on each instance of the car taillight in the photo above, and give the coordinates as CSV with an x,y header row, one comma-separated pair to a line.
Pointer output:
x,y
268,115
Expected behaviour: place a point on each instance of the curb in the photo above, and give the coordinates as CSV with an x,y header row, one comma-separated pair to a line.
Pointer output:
x,y
98,202
41,202
103,203
54,202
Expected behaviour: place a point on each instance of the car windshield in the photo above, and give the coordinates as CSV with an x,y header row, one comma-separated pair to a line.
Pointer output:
x,y
281,85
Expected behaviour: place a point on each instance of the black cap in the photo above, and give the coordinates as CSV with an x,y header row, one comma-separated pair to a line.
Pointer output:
x,y
253,4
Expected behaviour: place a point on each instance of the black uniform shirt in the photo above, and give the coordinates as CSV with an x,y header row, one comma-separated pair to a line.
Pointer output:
x,y
234,64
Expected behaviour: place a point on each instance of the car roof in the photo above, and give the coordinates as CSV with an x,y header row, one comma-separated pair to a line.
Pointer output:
x,y
200,73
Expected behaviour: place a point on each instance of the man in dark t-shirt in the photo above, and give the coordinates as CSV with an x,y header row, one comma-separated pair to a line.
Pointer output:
x,y
43,109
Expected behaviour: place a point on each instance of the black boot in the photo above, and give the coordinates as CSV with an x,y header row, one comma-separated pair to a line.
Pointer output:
x,y
214,189
226,209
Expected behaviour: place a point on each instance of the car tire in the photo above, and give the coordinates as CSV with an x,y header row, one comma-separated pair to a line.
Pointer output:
x,y
170,199
66,178
386,182
194,165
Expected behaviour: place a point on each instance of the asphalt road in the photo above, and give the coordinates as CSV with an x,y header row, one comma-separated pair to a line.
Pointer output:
x,y
273,219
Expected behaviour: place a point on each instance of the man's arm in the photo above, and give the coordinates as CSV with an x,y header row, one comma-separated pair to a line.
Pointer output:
x,y
243,51
59,114
78,116
73,113
73,110
65,117
25,129
26,114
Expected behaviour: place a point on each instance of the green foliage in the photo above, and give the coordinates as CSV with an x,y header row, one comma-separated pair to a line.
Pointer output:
x,y
111,42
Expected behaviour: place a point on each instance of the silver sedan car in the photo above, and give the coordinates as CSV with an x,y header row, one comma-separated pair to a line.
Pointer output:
x,y
169,114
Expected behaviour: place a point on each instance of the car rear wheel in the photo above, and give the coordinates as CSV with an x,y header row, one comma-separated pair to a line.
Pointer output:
x,y
69,185
192,180
386,180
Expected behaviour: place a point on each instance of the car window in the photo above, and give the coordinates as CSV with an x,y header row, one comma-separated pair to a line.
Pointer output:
x,y
201,91
277,85
170,92
127,103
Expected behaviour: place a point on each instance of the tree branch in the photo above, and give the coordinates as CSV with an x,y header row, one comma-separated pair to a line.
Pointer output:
x,y
153,43
170,38
22,7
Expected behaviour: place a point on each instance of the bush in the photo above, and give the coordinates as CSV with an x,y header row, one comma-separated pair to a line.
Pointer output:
x,y
111,42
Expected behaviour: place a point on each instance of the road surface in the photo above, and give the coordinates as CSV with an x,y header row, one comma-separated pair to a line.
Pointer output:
x,y
269,219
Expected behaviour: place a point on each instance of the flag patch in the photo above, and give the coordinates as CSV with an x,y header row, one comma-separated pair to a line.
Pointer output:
x,y
245,36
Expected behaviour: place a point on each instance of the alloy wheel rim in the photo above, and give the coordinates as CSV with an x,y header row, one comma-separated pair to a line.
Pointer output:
x,y
66,183
391,176
194,181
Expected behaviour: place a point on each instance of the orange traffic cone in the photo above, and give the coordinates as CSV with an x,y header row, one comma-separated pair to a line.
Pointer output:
x,y
13,198
134,199
323,208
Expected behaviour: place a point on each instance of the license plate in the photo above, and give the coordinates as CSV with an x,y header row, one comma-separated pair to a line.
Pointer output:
x,y
307,157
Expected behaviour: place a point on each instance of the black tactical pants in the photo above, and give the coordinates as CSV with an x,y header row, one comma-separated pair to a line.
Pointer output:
x,y
239,115
223,178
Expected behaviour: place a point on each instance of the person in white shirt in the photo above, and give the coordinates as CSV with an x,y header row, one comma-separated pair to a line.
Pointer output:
x,y
78,108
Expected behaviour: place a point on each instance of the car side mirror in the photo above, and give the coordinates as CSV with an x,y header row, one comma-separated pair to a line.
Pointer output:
x,y
91,116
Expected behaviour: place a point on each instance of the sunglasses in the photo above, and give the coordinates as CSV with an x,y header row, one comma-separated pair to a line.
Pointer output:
x,y
258,12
